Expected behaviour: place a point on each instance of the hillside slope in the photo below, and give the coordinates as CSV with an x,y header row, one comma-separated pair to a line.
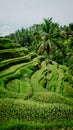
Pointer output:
x,y
26,102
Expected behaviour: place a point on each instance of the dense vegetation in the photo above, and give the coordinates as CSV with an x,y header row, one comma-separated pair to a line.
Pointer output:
x,y
36,78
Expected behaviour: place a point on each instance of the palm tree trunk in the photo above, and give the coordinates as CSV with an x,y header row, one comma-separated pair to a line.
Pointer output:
x,y
47,63
48,53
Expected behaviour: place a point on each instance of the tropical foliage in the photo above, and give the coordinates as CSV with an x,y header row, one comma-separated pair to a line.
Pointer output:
x,y
30,59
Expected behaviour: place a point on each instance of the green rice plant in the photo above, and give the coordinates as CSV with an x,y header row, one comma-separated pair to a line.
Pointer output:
x,y
68,91
7,63
20,86
13,53
13,85
34,111
19,80
11,69
51,97
15,70
59,79
4,93
6,43
36,78
15,50
17,124
17,88
56,78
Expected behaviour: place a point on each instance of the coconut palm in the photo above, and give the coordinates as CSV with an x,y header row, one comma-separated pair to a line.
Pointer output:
x,y
50,32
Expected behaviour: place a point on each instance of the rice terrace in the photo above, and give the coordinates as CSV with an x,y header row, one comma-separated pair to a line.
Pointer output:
x,y
36,78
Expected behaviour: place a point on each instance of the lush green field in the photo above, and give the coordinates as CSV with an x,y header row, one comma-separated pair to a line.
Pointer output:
x,y
6,43
36,93
12,53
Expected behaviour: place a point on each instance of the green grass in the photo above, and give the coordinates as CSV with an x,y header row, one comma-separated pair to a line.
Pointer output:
x,y
36,77
6,43
34,111
26,102
19,86
15,50
51,97
13,85
13,53
60,80
19,80
14,68
4,93
16,124
7,63
38,86
56,79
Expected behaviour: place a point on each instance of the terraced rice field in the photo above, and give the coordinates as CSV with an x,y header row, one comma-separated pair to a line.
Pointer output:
x,y
25,97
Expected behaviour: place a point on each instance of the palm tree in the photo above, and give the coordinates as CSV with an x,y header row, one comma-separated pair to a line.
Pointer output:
x,y
50,32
